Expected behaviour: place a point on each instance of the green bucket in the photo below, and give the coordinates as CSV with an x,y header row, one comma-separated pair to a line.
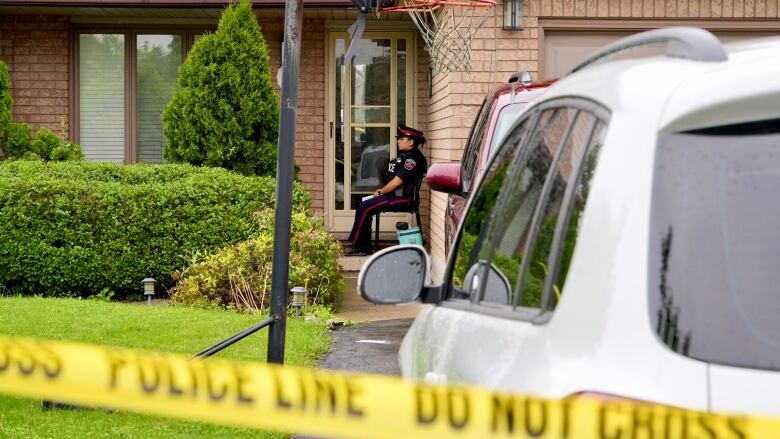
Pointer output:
x,y
408,235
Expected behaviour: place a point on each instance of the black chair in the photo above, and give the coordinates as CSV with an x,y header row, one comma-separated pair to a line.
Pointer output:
x,y
413,207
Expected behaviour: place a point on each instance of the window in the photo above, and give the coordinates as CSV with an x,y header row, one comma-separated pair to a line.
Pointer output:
x,y
529,204
474,143
125,80
714,244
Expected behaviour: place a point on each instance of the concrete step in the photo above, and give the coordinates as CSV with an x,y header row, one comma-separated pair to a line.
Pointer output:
x,y
354,308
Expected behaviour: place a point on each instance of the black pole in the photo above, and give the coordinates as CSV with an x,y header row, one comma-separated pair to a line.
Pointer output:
x,y
291,57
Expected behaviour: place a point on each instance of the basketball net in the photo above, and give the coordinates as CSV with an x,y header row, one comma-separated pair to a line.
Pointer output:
x,y
448,27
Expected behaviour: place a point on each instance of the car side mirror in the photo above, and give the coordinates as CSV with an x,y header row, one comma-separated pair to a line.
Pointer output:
x,y
394,275
497,287
445,177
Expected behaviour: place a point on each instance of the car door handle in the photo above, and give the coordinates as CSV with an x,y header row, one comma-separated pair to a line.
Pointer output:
x,y
434,378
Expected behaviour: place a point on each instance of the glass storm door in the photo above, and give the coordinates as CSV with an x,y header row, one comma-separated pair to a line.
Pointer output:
x,y
367,102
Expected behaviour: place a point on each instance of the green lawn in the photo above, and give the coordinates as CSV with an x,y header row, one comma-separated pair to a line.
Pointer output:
x,y
181,330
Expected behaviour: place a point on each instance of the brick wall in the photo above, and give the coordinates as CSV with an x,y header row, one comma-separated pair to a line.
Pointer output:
x,y
309,137
496,54
36,51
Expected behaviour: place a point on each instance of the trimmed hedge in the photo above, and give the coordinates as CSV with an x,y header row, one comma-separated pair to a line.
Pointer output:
x,y
77,228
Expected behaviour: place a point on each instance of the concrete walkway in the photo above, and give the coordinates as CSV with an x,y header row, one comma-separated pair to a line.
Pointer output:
x,y
354,308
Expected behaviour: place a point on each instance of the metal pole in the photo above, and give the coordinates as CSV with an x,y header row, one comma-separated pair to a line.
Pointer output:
x,y
293,18
236,338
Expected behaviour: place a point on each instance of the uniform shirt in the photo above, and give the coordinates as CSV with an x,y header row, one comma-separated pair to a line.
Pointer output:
x,y
410,167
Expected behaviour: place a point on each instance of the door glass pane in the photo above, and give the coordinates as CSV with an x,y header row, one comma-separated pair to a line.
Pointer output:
x,y
401,80
159,57
579,197
339,126
371,115
475,223
370,154
102,96
516,223
371,73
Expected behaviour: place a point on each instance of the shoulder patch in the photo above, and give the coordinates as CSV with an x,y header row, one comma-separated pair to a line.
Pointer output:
x,y
409,164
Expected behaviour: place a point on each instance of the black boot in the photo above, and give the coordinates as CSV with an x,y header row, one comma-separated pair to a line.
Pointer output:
x,y
359,250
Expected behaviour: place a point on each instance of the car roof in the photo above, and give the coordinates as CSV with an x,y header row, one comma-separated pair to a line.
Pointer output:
x,y
690,94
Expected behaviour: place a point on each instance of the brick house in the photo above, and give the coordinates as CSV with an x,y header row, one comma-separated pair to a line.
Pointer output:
x,y
80,64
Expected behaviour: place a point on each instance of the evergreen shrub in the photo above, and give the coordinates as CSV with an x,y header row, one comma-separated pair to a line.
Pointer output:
x,y
225,112
6,102
78,228
18,140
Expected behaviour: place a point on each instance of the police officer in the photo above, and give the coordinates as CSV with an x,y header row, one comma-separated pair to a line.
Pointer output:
x,y
400,179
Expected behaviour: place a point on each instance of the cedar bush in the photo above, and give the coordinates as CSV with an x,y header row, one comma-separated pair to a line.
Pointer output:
x,y
20,145
225,112
18,140
239,276
45,142
6,102
77,228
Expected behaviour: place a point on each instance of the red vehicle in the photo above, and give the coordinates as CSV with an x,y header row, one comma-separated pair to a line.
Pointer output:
x,y
498,112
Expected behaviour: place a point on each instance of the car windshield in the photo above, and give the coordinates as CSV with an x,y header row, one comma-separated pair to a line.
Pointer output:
x,y
506,117
714,244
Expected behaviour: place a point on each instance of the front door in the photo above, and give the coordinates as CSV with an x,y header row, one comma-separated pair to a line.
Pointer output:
x,y
367,101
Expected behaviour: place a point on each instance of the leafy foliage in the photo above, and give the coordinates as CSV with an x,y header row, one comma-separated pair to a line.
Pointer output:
x,y
19,145
225,112
45,142
18,140
6,102
66,151
75,228
239,276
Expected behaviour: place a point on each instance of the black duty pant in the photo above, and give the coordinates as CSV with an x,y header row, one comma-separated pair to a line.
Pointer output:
x,y
361,228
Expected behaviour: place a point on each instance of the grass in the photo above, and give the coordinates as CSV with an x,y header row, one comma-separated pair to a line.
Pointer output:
x,y
171,329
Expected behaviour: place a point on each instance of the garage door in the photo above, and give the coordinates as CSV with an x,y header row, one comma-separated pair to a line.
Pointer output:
x,y
565,49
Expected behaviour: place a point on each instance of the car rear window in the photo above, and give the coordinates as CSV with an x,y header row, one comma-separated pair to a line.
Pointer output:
x,y
715,244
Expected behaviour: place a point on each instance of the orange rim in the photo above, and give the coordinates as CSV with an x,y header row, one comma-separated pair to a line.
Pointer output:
x,y
435,4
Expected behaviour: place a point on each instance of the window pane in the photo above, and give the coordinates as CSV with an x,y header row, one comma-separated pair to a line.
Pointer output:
x,y
473,144
370,115
513,223
574,214
714,244
102,96
370,154
371,73
557,166
339,128
159,57
475,224
401,81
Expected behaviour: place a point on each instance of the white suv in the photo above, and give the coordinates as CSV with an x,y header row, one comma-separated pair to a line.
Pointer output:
x,y
623,242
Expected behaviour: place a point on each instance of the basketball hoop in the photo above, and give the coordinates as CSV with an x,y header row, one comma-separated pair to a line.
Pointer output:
x,y
447,27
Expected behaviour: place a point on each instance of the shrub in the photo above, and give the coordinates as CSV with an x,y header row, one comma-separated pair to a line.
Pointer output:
x,y
239,276
6,102
45,142
67,152
225,112
18,140
76,228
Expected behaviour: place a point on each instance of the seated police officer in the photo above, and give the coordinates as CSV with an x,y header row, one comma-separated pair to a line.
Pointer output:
x,y
400,179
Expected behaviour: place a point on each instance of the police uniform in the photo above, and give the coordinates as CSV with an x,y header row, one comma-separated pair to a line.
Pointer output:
x,y
410,166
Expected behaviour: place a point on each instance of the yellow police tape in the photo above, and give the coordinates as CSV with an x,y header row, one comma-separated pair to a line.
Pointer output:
x,y
331,404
